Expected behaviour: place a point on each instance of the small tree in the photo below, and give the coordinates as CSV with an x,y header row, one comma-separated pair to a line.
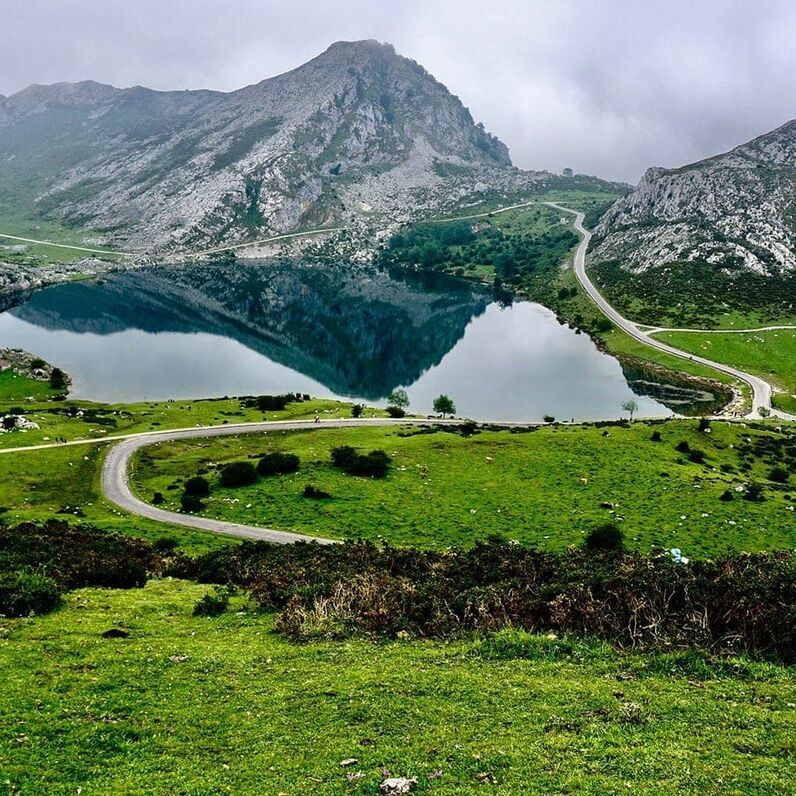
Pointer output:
x,y
631,407
356,410
278,463
197,486
398,398
763,411
443,405
57,379
238,474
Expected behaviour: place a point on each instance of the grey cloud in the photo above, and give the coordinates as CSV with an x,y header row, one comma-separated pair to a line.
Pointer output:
x,y
607,87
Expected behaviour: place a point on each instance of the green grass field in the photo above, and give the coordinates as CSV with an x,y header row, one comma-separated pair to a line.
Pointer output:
x,y
74,420
544,487
770,354
15,222
16,389
208,706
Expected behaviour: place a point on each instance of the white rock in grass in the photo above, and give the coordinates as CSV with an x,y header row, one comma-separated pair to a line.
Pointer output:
x,y
396,786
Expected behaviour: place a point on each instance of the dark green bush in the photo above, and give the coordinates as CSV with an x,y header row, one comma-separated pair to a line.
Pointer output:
x,y
375,464
27,592
656,436
238,474
606,537
696,456
198,486
191,503
164,544
683,447
157,498
726,496
395,411
213,603
356,410
278,463
779,475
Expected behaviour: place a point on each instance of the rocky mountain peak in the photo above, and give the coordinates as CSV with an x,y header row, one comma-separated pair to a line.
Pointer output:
x,y
357,132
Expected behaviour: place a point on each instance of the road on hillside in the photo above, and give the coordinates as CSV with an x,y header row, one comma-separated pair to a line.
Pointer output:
x,y
116,471
761,389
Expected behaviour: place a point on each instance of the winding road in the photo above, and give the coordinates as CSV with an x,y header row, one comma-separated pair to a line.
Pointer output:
x,y
761,389
116,467
116,472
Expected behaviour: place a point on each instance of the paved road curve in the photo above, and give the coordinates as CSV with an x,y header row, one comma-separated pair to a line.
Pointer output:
x,y
761,389
116,472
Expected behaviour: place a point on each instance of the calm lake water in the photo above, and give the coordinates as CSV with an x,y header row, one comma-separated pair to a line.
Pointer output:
x,y
271,328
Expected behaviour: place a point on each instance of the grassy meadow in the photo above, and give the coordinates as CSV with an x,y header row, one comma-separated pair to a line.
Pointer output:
x,y
770,354
546,487
196,705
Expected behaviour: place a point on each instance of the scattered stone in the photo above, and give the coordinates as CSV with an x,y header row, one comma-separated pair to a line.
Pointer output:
x,y
396,786
348,762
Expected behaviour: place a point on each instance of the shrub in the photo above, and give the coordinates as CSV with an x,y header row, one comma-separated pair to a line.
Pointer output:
x,y
27,592
726,496
75,556
375,464
213,603
549,419
238,474
198,486
683,447
779,475
157,498
164,544
57,379
395,411
191,503
273,403
603,325
704,424
278,463
606,537
313,492
727,605
754,492
696,456
357,410
656,436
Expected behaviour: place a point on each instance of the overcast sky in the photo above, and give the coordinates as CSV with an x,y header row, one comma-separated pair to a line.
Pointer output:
x,y
606,87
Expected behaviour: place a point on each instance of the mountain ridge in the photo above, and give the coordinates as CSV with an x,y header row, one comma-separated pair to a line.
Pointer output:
x,y
355,133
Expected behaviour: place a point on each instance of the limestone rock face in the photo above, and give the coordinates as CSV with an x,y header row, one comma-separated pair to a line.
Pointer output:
x,y
736,210
359,132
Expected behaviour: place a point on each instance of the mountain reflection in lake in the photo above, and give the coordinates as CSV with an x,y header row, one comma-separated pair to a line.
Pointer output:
x,y
178,332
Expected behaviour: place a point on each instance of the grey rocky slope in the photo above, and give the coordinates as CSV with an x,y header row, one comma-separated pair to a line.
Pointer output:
x,y
736,211
358,133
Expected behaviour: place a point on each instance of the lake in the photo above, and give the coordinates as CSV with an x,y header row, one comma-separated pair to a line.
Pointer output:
x,y
335,331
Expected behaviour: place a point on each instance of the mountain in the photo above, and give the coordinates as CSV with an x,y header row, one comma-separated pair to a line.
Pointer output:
x,y
736,211
359,132
693,244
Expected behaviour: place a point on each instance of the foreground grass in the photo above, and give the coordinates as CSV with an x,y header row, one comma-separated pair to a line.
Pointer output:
x,y
205,706
546,487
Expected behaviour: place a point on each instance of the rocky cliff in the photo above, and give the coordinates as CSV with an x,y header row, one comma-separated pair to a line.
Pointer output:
x,y
359,132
